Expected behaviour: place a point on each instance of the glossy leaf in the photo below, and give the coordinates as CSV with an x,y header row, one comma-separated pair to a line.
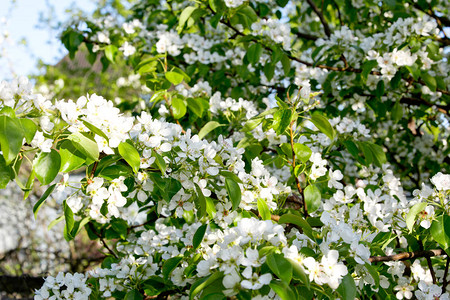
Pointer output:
x,y
174,77
302,152
323,125
440,231
347,288
178,108
170,265
198,236
41,201
68,216
254,53
298,221
234,192
11,137
280,266
71,157
281,120
313,198
131,155
46,166
412,213
282,290
4,173
263,209
210,126
85,144
28,128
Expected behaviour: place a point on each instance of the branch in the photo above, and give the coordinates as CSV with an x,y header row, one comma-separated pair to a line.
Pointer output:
x,y
444,281
407,255
92,227
420,101
299,188
320,15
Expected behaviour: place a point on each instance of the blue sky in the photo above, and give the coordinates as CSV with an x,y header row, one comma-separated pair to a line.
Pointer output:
x,y
22,18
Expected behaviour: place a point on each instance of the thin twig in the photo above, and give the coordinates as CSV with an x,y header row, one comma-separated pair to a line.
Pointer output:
x,y
320,15
407,255
92,227
299,188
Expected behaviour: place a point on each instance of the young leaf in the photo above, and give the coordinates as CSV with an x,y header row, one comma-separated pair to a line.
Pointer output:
x,y
280,266
263,209
412,213
46,166
131,155
71,157
44,196
174,77
210,126
85,144
198,236
28,129
313,198
440,232
170,265
178,108
302,152
68,215
185,15
234,192
298,221
282,290
322,123
281,120
160,162
11,137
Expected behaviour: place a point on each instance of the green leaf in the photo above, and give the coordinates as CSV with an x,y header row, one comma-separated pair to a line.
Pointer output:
x,y
429,80
41,201
170,265
280,266
160,162
286,63
68,215
95,130
298,273
269,71
302,152
195,105
412,213
178,108
282,290
111,52
201,284
299,222
5,173
11,137
263,209
198,236
174,77
133,295
28,129
374,274
54,222
251,124
184,16
85,144
254,53
313,198
234,192
324,126
231,175
376,155
282,3
281,120
200,201
131,155
71,157
367,67
121,227
347,288
440,231
397,112
210,126
210,207
46,166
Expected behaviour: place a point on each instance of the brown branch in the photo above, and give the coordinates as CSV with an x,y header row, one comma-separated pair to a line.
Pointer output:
x,y
407,255
299,188
320,15
306,36
420,101
92,227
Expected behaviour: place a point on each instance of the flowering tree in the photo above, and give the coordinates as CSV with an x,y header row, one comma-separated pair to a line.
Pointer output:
x,y
281,150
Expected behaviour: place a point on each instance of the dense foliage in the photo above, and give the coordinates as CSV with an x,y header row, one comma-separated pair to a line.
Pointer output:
x,y
257,150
